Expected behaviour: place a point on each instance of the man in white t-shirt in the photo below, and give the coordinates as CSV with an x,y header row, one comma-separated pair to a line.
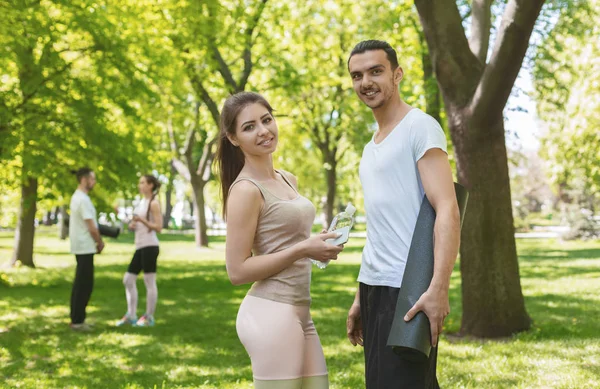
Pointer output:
x,y
85,242
406,159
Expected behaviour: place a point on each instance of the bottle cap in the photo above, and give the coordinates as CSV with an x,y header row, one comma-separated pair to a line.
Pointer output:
x,y
350,209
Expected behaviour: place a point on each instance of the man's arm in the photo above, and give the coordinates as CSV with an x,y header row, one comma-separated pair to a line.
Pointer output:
x,y
91,225
354,329
436,177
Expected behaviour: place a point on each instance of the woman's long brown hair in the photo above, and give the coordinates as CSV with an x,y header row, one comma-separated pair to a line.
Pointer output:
x,y
229,158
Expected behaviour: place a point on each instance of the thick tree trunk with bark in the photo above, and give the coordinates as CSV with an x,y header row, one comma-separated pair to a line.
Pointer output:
x,y
493,303
475,93
24,235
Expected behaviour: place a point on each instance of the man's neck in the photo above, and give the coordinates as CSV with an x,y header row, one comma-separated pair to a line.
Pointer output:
x,y
389,115
83,189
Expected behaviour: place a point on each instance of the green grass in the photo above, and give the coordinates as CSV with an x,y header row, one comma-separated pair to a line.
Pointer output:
x,y
194,344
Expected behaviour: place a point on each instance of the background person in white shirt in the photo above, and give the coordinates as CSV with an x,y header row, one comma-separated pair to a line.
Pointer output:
x,y
85,242
405,160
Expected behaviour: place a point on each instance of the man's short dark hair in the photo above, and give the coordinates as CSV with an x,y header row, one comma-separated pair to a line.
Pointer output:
x,y
82,172
371,45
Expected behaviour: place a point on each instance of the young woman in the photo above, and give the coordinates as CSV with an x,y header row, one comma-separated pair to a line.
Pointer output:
x,y
147,221
269,243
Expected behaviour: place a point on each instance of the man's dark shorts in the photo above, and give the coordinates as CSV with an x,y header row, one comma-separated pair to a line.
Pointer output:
x,y
384,369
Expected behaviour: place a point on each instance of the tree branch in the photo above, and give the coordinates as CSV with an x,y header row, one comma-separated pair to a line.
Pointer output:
x,y
457,69
181,169
509,50
315,133
340,134
224,69
247,55
81,50
42,83
465,16
207,156
342,153
173,141
189,142
204,95
481,24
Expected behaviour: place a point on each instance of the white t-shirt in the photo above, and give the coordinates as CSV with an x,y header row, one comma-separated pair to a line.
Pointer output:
x,y
79,235
393,195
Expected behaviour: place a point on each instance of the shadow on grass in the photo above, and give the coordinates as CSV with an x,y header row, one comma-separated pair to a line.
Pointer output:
x,y
536,255
169,236
559,317
195,341
197,311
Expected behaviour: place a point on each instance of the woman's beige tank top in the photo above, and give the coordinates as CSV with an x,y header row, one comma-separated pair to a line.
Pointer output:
x,y
282,224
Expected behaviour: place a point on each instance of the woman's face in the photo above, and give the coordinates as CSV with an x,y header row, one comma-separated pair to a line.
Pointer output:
x,y
144,186
256,131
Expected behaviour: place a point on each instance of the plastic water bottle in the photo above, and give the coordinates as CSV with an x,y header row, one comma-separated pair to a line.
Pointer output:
x,y
342,224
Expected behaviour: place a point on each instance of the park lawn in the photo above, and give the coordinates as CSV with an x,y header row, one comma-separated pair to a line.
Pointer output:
x,y
194,344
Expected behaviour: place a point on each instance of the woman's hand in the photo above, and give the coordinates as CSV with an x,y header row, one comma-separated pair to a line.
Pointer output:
x,y
316,248
140,219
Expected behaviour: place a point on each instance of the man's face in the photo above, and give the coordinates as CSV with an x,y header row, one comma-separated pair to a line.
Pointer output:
x,y
89,181
373,79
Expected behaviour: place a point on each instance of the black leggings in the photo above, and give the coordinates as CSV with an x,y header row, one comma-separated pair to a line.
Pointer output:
x,y
82,287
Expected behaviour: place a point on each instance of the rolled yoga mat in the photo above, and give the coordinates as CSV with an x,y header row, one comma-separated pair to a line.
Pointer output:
x,y
412,340
110,231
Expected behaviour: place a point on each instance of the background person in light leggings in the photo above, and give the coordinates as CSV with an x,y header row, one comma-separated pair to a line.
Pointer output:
x,y
147,221
269,243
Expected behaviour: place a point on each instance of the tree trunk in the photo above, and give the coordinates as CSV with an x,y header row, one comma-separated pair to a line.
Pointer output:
x,y
63,230
200,219
48,218
168,200
55,215
331,176
432,91
493,303
475,92
25,232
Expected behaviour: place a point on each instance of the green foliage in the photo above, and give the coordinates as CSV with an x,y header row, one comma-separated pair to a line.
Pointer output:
x,y
76,93
566,91
106,82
